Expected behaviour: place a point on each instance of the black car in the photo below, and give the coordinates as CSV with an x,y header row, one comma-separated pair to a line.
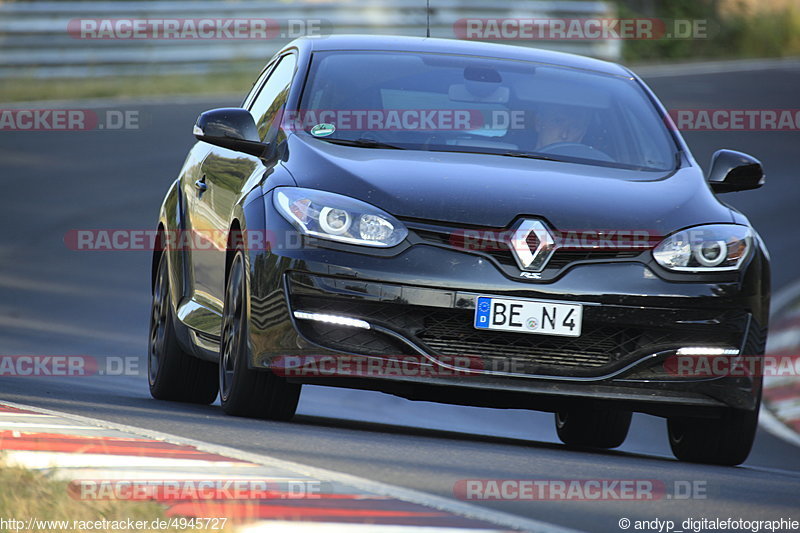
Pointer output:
x,y
466,223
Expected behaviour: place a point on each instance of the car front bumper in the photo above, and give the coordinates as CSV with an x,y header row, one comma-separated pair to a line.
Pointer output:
x,y
419,304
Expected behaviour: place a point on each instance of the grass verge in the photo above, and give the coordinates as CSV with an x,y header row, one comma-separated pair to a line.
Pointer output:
x,y
29,89
27,494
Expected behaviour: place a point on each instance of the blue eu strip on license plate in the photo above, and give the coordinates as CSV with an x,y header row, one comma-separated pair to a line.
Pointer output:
x,y
528,316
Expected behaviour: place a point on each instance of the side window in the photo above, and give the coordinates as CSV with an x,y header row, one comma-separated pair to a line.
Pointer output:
x,y
253,92
273,96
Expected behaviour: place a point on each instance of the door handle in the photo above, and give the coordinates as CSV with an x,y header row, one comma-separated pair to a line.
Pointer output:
x,y
200,184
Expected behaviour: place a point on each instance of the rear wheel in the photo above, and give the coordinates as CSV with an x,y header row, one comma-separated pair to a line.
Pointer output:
x,y
592,427
244,391
172,373
724,441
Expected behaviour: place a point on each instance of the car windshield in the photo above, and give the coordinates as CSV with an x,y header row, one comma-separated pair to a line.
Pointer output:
x,y
438,102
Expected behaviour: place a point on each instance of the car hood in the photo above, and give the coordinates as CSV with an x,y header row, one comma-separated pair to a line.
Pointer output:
x,y
492,191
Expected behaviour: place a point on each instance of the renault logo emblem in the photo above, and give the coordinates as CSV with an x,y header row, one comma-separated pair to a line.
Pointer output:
x,y
532,245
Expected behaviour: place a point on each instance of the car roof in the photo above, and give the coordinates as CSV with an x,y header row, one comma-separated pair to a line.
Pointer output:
x,y
456,46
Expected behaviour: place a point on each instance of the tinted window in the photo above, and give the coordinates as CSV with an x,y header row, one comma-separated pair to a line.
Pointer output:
x,y
456,103
273,96
251,95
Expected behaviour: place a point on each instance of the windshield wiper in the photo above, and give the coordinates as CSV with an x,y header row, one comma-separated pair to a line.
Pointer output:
x,y
505,154
363,143
531,156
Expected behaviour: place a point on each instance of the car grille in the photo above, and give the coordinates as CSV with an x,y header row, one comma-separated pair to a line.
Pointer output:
x,y
451,333
501,252
564,258
602,347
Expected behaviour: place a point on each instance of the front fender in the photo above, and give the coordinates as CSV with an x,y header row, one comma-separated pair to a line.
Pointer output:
x,y
249,213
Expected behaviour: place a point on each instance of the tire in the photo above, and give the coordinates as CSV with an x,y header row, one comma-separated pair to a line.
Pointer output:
x,y
244,391
725,441
594,428
172,373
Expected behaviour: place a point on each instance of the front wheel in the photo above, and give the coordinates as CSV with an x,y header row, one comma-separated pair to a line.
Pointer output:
x,y
594,428
724,441
245,391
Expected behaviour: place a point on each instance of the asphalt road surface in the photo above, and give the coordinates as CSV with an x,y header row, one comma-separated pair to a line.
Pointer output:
x,y
57,301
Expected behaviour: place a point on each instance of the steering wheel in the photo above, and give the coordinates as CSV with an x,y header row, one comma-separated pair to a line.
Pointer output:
x,y
563,144
575,150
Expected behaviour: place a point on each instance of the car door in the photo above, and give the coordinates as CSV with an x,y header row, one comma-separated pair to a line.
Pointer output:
x,y
222,175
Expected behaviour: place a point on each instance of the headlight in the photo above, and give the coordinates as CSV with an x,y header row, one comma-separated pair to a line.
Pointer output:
x,y
712,248
338,218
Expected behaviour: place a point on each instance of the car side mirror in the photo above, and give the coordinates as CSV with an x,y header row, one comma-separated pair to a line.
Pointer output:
x,y
232,128
735,171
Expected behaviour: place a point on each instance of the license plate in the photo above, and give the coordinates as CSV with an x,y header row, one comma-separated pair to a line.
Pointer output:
x,y
528,316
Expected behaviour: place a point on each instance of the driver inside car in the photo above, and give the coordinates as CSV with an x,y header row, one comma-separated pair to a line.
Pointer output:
x,y
559,124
